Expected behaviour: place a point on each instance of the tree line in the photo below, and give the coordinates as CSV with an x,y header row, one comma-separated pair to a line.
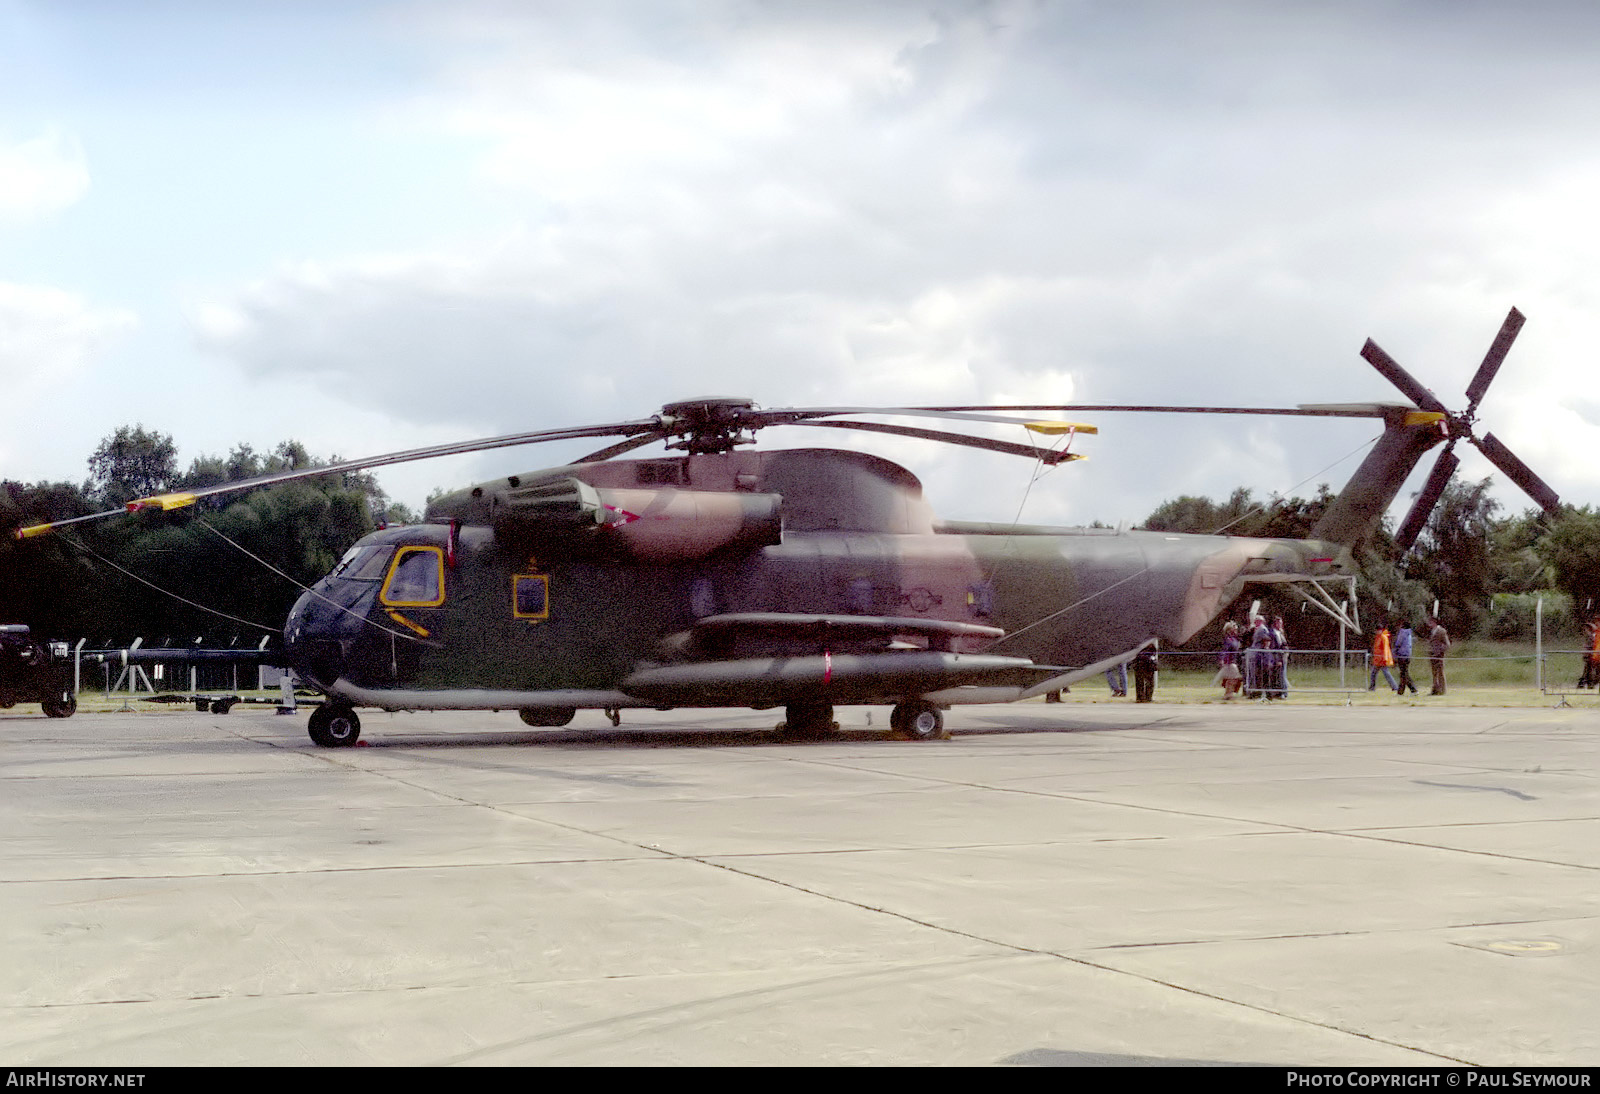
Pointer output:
x,y
1485,570
84,581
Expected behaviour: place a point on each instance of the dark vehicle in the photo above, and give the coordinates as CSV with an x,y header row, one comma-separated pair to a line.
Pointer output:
x,y
35,672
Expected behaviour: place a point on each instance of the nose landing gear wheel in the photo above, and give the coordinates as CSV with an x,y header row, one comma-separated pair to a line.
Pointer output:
x,y
916,720
334,726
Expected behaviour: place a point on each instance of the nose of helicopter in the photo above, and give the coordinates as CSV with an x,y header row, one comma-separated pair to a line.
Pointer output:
x,y
311,643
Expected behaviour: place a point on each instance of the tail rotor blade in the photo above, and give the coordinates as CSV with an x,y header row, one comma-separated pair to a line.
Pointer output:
x,y
1519,473
1493,359
1422,508
1408,384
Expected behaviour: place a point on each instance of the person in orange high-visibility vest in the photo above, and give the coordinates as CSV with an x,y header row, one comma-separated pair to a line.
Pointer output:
x,y
1382,658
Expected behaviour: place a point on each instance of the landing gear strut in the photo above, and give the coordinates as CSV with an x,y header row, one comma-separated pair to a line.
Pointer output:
x,y
334,725
917,720
808,721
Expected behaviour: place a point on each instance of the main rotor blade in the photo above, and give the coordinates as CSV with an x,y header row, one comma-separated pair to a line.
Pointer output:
x,y
179,499
1408,384
1493,359
623,446
1351,410
1048,455
1432,491
797,415
1519,473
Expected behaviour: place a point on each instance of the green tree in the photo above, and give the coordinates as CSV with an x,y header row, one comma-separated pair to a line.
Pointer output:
x,y
1453,556
1571,548
1199,515
44,582
77,583
1241,515
1514,557
1384,591
132,463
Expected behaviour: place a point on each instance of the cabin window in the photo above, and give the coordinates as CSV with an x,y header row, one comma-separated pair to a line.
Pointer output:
x,y
416,580
530,596
364,563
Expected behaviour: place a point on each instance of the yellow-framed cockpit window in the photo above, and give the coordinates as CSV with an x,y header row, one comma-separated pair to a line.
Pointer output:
x,y
530,596
416,579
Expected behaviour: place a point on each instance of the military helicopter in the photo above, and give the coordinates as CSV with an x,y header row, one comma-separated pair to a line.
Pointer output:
x,y
720,576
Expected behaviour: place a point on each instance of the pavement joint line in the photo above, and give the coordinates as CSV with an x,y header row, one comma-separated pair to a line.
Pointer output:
x,y
696,1011
1279,828
970,936
1464,824
953,932
1282,828
1079,960
847,970
1466,851
1476,925
659,856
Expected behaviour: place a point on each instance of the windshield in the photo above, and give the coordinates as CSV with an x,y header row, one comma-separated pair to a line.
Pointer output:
x,y
364,563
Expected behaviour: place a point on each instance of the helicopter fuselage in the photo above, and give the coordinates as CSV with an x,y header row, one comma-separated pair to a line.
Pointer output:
x,y
747,579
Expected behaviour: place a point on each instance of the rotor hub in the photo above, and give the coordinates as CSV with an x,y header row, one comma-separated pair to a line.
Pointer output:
x,y
710,424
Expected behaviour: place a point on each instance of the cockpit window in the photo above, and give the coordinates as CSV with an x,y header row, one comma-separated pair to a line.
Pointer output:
x,y
364,563
416,579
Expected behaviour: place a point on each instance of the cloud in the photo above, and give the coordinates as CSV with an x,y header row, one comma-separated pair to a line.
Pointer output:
x,y
40,176
48,338
960,202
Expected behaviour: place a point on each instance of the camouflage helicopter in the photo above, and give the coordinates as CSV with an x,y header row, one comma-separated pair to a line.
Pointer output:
x,y
719,576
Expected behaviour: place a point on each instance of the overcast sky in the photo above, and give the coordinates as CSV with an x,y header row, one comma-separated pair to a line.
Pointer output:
x,y
375,225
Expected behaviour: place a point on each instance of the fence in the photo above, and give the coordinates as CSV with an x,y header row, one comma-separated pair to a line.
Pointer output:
x,y
1553,672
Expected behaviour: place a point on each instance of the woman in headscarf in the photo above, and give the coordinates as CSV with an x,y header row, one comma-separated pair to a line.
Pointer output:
x,y
1229,674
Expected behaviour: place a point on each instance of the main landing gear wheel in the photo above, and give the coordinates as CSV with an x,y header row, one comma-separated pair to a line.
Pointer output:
x,y
59,708
547,716
808,721
917,720
334,726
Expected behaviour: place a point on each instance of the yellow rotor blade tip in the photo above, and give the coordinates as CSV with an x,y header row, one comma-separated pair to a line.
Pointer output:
x,y
161,501
1057,428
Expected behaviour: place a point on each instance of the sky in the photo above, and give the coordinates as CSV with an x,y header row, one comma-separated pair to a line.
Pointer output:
x,y
372,225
